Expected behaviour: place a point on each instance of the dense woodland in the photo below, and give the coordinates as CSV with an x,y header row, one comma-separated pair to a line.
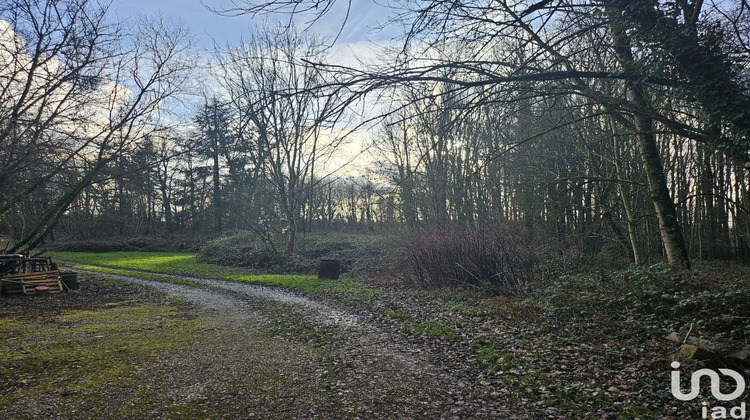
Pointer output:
x,y
620,126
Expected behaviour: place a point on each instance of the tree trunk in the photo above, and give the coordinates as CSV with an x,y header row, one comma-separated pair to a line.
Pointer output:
x,y
193,211
635,251
671,234
167,203
217,190
669,228
120,207
291,237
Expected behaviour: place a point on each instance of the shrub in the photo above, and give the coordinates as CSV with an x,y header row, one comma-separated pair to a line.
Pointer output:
x,y
359,254
244,250
495,258
144,243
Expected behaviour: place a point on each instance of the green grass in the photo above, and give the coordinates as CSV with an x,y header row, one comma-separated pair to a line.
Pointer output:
x,y
399,314
130,273
435,329
181,264
185,264
495,359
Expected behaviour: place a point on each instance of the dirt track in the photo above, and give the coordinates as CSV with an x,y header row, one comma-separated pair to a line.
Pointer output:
x,y
271,353
121,347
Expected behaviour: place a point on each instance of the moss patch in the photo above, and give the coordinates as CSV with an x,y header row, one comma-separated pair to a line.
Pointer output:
x,y
435,329
81,351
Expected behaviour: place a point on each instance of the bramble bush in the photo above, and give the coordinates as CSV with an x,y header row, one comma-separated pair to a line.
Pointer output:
x,y
498,259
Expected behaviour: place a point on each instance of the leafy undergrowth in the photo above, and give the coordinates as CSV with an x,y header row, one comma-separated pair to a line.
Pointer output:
x,y
712,302
587,345
358,254
595,344
184,264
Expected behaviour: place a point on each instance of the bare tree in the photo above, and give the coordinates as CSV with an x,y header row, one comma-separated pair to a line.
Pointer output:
x,y
76,89
662,49
274,87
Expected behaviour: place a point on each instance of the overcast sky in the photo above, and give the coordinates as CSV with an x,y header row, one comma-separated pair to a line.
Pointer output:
x,y
208,27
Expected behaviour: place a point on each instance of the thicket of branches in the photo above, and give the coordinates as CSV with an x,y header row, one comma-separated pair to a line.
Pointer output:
x,y
77,94
622,123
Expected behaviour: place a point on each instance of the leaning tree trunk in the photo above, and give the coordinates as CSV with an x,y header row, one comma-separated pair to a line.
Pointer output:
x,y
52,216
669,228
671,234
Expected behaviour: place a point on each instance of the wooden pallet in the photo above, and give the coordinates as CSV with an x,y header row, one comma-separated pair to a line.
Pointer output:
x,y
25,283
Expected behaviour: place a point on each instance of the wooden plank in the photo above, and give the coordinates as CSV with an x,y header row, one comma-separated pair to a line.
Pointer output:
x,y
41,274
54,284
25,283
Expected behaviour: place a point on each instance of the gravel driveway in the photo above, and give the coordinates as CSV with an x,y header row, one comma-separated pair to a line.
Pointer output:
x,y
312,359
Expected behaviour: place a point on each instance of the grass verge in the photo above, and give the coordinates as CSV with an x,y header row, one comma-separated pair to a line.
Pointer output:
x,y
185,264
